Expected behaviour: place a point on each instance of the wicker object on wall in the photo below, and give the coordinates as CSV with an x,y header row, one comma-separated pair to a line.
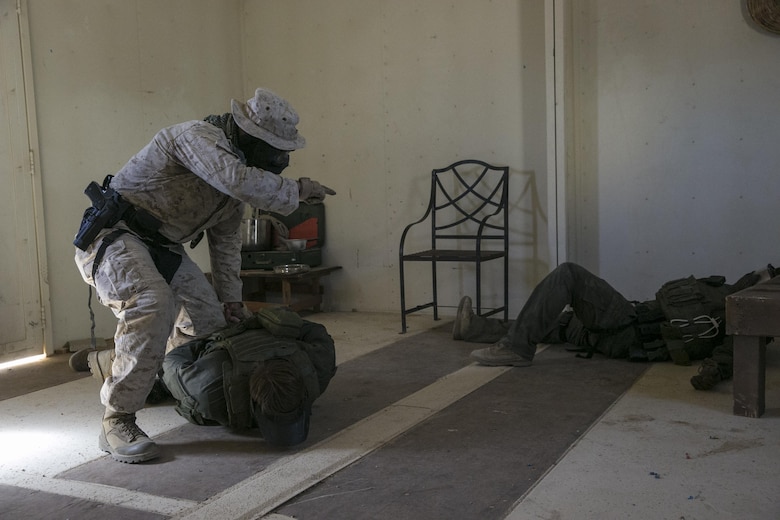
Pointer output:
x,y
766,13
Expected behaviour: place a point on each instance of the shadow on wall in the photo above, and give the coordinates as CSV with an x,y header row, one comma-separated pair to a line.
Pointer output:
x,y
528,261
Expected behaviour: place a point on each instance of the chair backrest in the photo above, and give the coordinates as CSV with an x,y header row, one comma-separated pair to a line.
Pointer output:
x,y
469,201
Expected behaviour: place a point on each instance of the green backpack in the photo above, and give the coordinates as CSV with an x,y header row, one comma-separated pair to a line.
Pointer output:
x,y
269,333
695,316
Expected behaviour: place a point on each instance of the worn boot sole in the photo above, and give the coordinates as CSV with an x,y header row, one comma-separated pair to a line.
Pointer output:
x,y
514,363
459,325
700,383
78,360
149,454
488,357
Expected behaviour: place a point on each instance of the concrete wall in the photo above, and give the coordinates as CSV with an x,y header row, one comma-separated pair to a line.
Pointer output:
x,y
674,118
386,91
107,76
676,159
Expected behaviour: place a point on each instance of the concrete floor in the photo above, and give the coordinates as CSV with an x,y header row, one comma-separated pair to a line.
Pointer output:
x,y
662,451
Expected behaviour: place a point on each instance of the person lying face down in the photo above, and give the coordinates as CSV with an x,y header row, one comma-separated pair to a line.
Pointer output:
x,y
256,378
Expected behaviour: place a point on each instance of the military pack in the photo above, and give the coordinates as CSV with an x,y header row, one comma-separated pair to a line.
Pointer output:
x,y
269,333
694,311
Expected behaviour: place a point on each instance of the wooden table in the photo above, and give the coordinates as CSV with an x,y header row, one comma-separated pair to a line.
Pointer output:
x,y
752,317
309,281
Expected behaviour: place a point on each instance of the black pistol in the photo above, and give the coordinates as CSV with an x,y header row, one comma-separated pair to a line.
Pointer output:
x,y
97,216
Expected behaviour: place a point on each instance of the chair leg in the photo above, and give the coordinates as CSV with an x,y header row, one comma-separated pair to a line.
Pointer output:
x,y
403,298
506,287
435,291
478,295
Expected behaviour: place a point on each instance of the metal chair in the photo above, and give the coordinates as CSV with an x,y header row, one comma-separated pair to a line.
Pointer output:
x,y
467,208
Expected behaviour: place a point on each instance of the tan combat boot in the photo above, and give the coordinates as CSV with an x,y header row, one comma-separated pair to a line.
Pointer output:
x,y
124,440
100,363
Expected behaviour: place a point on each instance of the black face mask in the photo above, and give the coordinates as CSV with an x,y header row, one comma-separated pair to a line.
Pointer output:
x,y
260,154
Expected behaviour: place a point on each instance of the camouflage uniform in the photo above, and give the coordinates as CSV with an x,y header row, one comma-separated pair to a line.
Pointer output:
x,y
193,179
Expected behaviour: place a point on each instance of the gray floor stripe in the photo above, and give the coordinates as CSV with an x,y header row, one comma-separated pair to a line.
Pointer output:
x,y
107,495
267,490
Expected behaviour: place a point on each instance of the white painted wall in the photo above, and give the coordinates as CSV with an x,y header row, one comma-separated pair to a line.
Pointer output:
x,y
386,91
673,106
108,75
676,158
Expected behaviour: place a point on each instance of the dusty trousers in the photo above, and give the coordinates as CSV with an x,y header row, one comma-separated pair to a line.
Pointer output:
x,y
153,316
601,315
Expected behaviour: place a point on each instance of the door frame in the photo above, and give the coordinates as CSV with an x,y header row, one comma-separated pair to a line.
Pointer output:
x,y
32,139
557,30
47,347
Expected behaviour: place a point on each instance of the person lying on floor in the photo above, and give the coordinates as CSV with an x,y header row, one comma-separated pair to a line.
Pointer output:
x,y
572,305
264,372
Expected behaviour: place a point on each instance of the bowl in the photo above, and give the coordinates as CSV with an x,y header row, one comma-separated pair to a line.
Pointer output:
x,y
294,244
291,268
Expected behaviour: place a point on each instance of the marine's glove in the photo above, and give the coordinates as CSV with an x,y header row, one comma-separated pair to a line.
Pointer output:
x,y
312,192
235,312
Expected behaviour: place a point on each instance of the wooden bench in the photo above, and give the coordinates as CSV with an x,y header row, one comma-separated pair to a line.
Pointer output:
x,y
300,291
752,317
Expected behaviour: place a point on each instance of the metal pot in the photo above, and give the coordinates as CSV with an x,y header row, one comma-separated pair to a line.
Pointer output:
x,y
255,234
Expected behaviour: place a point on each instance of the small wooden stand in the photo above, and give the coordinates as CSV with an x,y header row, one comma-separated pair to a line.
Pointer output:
x,y
752,318
300,291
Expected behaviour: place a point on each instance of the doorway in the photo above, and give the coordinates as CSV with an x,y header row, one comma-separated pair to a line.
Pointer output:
x,y
23,294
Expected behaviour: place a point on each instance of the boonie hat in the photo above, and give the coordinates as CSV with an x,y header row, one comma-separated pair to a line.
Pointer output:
x,y
286,429
270,118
